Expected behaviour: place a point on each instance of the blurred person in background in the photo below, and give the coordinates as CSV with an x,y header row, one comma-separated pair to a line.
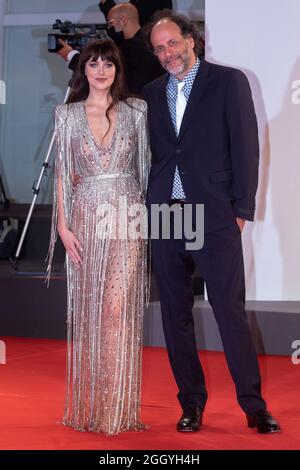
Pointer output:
x,y
146,8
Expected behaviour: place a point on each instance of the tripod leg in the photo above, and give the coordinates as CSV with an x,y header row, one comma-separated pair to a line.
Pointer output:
x,y
36,190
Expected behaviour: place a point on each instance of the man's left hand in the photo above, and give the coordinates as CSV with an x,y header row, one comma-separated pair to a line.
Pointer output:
x,y
241,223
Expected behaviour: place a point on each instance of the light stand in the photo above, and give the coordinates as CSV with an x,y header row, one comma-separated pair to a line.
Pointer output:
x,y
36,190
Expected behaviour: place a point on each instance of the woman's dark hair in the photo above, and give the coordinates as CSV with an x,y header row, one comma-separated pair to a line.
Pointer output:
x,y
107,50
188,29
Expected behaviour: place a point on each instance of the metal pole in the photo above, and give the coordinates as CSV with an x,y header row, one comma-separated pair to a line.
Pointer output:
x,y
36,190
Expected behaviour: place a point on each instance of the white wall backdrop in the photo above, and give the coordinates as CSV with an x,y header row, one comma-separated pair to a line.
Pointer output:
x,y
262,37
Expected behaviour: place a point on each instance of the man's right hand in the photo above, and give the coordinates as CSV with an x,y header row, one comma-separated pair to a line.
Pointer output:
x,y
65,50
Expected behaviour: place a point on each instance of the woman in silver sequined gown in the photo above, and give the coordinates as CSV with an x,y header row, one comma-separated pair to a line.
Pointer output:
x,y
97,186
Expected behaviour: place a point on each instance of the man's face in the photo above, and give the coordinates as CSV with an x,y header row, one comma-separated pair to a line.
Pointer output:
x,y
116,21
174,51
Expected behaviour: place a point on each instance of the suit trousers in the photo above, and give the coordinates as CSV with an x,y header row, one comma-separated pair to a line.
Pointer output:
x,y
220,263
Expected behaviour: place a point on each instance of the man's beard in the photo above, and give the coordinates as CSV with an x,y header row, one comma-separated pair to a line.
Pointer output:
x,y
181,66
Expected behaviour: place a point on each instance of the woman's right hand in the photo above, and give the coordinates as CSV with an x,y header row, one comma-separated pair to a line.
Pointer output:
x,y
72,245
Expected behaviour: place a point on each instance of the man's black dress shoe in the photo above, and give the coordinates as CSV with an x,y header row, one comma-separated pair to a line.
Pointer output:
x,y
263,421
191,420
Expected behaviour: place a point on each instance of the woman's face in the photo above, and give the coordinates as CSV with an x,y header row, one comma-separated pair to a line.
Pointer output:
x,y
100,74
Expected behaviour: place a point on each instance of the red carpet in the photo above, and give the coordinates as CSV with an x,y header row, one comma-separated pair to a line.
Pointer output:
x,y
32,394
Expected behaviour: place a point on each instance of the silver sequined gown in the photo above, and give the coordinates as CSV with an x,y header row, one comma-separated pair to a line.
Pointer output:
x,y
106,296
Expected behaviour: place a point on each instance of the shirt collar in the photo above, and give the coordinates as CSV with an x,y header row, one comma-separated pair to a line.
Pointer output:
x,y
188,79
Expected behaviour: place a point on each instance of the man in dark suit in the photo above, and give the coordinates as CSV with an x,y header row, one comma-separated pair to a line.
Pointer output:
x,y
204,141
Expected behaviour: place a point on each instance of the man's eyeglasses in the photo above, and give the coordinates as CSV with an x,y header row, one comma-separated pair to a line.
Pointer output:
x,y
113,21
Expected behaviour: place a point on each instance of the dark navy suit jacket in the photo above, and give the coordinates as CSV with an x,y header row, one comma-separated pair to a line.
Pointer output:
x,y
217,150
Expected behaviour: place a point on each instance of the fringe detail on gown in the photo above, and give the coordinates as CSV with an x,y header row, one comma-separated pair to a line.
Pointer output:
x,y
108,293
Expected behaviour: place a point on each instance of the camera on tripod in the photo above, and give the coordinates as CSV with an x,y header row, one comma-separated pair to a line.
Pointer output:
x,y
77,35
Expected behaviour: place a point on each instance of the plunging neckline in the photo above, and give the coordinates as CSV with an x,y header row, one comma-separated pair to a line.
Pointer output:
x,y
96,143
